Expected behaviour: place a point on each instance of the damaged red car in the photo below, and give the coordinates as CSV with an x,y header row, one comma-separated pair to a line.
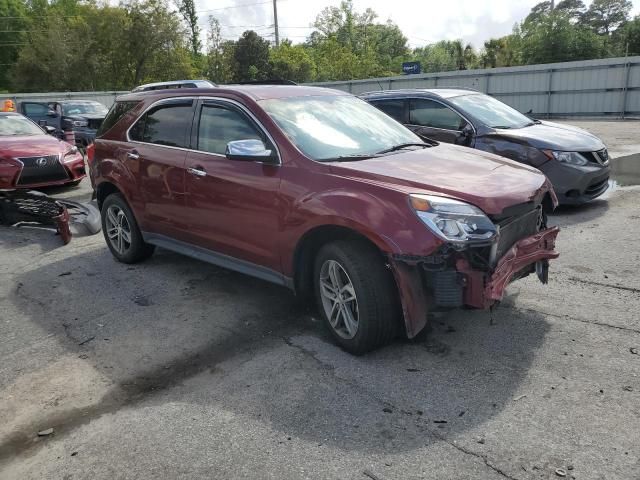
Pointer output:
x,y
30,158
318,191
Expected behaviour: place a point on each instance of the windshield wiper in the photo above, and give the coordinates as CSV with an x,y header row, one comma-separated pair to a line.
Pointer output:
x,y
350,158
404,145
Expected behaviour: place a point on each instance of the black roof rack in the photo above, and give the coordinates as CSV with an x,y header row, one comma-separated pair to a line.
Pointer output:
x,y
268,82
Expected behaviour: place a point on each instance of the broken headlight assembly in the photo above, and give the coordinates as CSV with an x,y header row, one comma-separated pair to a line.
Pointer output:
x,y
571,158
452,220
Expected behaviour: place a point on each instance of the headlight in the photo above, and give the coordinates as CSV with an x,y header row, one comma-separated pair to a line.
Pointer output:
x,y
70,155
572,158
453,220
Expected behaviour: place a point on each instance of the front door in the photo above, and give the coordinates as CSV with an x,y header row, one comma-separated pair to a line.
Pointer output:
x,y
232,206
155,155
437,121
42,114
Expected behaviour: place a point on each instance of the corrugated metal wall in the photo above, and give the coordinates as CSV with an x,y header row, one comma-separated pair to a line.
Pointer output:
x,y
106,98
588,88
608,87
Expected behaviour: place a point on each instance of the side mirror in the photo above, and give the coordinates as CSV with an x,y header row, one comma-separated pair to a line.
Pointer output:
x,y
52,113
250,151
467,131
49,129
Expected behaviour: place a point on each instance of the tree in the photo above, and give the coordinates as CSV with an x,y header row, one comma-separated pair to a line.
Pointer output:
x,y
219,61
627,38
605,16
188,10
575,9
13,23
292,62
251,55
539,10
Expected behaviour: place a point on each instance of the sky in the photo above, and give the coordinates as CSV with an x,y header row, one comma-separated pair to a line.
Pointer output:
x,y
422,21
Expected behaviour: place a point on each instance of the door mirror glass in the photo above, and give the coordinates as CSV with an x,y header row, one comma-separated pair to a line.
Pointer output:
x,y
249,150
49,129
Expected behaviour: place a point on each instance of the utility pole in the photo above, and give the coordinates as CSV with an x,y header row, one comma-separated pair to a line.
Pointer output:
x,y
275,21
553,4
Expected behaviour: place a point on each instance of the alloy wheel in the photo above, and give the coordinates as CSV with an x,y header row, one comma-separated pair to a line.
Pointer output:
x,y
339,299
118,229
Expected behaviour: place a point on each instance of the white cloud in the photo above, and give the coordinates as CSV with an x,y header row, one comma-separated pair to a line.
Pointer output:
x,y
422,21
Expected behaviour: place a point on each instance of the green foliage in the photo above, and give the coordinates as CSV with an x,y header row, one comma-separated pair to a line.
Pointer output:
x,y
251,57
605,16
74,45
292,62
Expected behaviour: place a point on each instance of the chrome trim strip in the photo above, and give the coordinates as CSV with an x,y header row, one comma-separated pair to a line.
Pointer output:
x,y
219,259
217,99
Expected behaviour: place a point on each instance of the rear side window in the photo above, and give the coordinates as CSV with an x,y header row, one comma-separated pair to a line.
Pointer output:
x,y
393,108
35,109
164,125
428,113
117,111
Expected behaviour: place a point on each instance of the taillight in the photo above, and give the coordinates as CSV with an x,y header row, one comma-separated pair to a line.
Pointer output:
x,y
91,151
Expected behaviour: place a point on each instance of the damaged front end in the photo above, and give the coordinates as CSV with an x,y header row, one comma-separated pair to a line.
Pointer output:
x,y
480,255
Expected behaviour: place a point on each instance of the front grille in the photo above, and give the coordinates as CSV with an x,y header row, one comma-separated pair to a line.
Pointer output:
x,y
41,169
601,157
517,228
95,123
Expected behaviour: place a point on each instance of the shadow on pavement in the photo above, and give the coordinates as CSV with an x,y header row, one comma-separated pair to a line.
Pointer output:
x,y
153,326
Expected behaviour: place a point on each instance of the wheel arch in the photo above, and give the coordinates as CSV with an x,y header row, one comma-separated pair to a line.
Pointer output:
x,y
105,189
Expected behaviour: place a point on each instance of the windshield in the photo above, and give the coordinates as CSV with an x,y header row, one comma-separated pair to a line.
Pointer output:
x,y
335,126
84,108
13,125
491,112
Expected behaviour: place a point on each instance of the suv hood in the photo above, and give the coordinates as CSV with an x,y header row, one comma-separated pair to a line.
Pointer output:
x,y
488,181
553,136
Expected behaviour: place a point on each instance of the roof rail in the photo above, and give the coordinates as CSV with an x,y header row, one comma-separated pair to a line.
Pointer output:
x,y
274,81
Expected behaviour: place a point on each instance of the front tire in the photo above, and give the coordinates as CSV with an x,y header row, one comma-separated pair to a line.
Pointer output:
x,y
121,231
356,296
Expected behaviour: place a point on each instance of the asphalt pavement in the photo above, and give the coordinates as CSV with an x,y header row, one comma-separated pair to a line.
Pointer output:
x,y
180,370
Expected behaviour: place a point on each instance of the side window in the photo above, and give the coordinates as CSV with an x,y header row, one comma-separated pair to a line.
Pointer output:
x,y
35,109
393,108
219,126
164,125
428,113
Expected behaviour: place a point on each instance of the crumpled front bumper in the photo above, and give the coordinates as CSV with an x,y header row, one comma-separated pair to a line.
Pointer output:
x,y
480,289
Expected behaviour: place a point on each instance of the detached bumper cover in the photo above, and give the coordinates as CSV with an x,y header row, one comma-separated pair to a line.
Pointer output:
x,y
481,289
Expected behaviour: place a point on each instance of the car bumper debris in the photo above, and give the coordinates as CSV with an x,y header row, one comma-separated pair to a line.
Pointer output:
x,y
19,208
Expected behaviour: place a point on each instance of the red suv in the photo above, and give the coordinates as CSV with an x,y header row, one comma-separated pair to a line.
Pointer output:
x,y
316,190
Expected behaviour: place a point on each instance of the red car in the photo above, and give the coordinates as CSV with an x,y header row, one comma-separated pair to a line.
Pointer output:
x,y
30,158
317,190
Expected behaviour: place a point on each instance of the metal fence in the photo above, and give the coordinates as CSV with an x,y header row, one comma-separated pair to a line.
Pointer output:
x,y
606,87
106,98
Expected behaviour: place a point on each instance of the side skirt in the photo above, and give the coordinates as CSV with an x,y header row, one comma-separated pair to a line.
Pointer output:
x,y
218,259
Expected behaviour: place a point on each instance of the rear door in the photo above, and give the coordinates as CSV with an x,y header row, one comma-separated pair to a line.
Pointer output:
x,y
155,154
436,120
232,205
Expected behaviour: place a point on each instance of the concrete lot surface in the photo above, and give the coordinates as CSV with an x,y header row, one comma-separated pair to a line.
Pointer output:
x,y
177,369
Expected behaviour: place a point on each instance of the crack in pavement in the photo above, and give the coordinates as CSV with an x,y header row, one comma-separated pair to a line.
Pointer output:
x,y
436,435
602,284
576,319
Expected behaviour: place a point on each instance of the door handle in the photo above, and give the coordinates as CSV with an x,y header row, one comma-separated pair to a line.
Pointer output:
x,y
197,171
133,155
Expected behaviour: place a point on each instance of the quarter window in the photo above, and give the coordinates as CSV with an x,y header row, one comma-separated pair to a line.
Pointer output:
x,y
164,125
219,126
118,110
428,113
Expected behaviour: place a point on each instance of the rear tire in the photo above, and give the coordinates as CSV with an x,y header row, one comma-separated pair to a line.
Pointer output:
x,y
121,231
356,296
